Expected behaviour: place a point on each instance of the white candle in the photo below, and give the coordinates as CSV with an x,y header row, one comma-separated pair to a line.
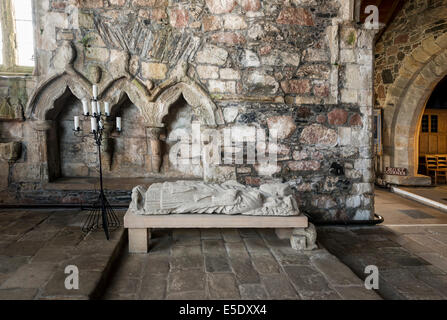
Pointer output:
x,y
85,106
101,125
76,123
94,108
118,123
107,108
98,107
94,124
95,91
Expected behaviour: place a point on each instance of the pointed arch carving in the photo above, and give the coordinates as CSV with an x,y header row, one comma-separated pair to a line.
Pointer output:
x,y
202,105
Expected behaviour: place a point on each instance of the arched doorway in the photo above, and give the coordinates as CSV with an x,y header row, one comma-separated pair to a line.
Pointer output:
x,y
404,106
432,130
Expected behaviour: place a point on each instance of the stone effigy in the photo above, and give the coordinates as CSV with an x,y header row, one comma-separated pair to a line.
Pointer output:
x,y
231,197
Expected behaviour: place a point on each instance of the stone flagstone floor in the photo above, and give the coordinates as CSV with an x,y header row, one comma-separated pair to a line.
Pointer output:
x,y
410,248
37,245
412,260
231,264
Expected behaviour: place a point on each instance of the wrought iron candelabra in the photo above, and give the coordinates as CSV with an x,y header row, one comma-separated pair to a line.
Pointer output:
x,y
102,215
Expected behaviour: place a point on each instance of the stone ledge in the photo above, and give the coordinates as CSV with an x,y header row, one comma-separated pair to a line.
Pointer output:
x,y
132,220
418,180
92,282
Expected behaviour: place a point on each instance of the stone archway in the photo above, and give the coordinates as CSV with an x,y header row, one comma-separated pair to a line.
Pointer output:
x,y
154,113
205,109
405,102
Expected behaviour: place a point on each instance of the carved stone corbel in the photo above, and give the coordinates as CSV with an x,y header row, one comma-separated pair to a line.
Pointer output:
x,y
154,147
10,151
304,238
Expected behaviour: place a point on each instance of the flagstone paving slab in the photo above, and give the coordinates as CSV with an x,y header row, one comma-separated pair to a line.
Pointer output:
x,y
37,246
234,264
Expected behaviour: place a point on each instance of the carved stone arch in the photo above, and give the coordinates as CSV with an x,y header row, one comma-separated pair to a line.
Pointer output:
x,y
405,101
47,97
48,91
135,91
202,105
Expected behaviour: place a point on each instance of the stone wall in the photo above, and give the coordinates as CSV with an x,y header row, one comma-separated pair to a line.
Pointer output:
x,y
14,92
418,21
301,67
410,60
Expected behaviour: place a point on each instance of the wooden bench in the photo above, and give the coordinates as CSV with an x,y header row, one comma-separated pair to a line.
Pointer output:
x,y
302,233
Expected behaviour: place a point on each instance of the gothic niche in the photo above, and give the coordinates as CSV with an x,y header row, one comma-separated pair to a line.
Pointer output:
x,y
127,154
178,131
64,156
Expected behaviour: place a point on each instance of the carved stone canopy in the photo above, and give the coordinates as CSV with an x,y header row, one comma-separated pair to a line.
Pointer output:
x,y
153,104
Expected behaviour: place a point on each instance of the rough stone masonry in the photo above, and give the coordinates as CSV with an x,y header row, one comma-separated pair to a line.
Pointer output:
x,y
301,67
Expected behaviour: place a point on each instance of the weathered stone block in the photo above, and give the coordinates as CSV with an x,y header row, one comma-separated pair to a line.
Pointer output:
x,y
355,120
228,38
257,82
97,54
208,72
154,70
217,86
10,151
90,3
301,86
314,71
250,5
321,90
283,125
249,59
337,116
220,6
267,169
211,23
234,22
317,134
178,18
229,74
280,58
311,165
298,16
10,111
150,3
212,55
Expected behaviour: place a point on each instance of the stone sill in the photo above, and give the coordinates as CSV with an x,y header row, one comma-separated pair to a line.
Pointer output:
x,y
13,75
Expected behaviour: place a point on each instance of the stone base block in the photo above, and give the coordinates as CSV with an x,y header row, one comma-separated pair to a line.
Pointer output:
x,y
304,238
139,240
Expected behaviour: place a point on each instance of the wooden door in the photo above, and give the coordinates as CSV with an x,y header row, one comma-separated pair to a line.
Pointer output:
x,y
433,132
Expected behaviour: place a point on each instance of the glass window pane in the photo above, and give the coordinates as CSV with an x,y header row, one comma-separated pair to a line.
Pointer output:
x,y
434,123
1,46
22,10
24,32
425,123
25,43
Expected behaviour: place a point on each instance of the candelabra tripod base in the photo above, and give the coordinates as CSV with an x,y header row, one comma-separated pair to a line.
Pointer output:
x,y
101,217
